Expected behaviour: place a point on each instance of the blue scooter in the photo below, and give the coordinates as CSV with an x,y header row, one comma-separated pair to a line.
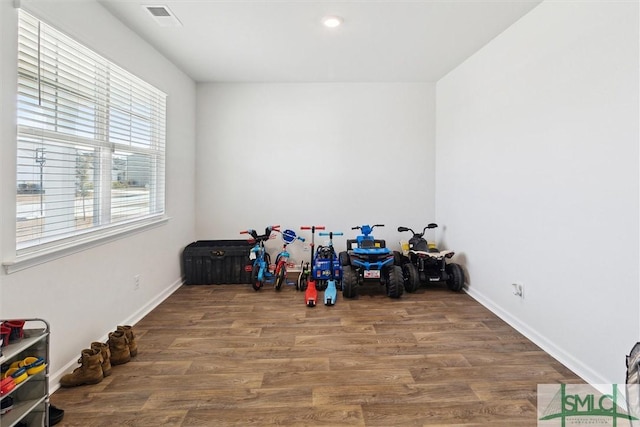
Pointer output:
x,y
327,268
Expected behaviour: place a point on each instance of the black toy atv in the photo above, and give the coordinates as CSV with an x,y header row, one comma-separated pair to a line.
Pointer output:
x,y
424,263
366,260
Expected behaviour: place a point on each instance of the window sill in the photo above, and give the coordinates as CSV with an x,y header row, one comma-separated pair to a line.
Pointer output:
x,y
41,257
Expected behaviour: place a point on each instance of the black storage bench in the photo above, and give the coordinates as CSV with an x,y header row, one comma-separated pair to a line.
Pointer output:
x,y
207,262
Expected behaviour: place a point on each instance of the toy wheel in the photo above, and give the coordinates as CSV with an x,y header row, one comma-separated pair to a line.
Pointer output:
x,y
254,278
302,282
411,277
395,281
349,282
455,282
344,259
397,258
280,278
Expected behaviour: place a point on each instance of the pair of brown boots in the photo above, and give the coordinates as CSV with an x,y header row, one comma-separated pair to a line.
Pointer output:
x,y
96,362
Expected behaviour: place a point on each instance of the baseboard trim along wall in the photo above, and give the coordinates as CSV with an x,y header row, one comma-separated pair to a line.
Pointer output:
x,y
54,379
571,362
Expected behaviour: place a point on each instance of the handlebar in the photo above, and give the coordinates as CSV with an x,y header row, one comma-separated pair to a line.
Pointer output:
x,y
261,238
358,227
428,226
270,227
312,227
331,233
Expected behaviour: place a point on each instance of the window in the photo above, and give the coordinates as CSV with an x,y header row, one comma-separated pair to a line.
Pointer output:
x,y
91,143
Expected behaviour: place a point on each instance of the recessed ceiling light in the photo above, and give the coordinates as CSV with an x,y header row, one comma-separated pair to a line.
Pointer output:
x,y
331,21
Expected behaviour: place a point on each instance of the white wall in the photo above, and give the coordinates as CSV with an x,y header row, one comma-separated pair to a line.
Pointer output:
x,y
329,154
537,179
86,295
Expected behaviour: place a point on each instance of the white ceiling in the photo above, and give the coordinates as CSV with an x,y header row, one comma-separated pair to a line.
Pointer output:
x,y
284,41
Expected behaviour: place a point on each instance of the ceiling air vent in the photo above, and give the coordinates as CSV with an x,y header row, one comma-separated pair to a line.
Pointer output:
x,y
163,16
158,11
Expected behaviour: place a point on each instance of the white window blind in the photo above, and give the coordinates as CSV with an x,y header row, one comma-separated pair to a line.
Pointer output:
x,y
91,142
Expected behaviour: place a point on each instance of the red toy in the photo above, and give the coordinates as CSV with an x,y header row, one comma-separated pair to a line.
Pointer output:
x,y
306,282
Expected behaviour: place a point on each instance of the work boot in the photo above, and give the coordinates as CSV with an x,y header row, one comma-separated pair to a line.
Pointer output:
x,y
106,356
119,347
89,371
133,345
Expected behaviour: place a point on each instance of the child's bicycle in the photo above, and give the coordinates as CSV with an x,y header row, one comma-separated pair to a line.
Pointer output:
x,y
288,237
305,280
261,260
327,269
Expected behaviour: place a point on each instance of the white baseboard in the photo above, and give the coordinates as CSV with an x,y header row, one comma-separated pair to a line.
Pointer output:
x,y
558,353
54,379
143,311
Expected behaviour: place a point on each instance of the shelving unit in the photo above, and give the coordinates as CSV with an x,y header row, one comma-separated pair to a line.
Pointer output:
x,y
30,397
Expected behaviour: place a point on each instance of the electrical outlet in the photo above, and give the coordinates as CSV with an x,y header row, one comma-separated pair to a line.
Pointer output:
x,y
136,282
518,289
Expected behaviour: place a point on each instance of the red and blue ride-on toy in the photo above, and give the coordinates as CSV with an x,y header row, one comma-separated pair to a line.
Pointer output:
x,y
282,259
260,273
425,263
369,260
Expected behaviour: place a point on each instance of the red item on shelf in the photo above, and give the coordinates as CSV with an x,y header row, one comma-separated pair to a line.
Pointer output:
x,y
7,384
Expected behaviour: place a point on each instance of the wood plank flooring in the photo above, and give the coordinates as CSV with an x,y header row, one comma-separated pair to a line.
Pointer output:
x,y
224,355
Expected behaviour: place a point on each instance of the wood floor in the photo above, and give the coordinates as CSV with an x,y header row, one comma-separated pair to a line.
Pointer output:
x,y
224,355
